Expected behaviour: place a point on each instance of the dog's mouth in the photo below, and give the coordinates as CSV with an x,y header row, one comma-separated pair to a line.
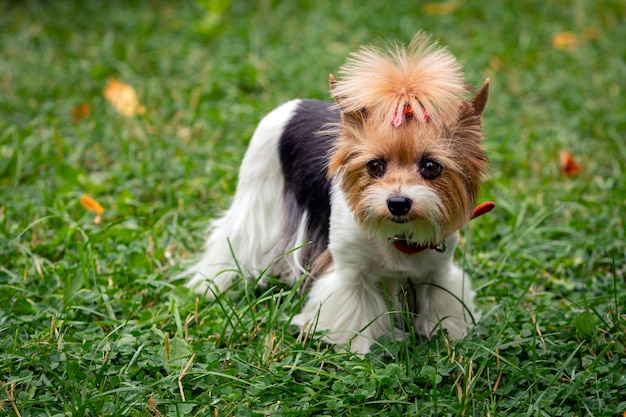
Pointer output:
x,y
410,248
401,219
403,245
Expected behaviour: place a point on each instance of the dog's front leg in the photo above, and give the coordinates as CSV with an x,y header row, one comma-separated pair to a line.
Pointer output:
x,y
447,300
350,309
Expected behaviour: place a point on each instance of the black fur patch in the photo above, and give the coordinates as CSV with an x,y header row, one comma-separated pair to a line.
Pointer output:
x,y
303,157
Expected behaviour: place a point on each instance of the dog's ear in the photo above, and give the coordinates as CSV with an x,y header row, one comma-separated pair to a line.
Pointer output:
x,y
353,117
479,101
331,81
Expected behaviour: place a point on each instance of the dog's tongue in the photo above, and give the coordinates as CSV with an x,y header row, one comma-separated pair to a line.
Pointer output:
x,y
411,248
483,208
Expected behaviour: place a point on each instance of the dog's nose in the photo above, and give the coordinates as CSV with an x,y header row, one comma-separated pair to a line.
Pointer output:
x,y
399,206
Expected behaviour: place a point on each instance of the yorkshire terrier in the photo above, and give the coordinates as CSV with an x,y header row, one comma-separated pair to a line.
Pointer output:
x,y
365,196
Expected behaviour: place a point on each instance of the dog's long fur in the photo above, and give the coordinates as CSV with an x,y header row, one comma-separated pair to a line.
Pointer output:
x,y
371,188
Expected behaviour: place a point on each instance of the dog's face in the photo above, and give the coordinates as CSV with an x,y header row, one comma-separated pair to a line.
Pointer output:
x,y
408,155
417,181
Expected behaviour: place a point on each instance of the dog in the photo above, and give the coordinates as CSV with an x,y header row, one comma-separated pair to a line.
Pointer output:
x,y
365,196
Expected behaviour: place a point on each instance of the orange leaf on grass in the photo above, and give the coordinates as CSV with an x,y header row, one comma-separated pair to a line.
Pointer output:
x,y
123,98
80,111
567,163
92,204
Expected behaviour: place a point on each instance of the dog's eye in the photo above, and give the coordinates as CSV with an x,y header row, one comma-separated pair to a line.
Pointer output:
x,y
430,169
376,168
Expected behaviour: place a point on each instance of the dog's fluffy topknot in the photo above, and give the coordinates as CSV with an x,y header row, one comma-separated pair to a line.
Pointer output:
x,y
424,77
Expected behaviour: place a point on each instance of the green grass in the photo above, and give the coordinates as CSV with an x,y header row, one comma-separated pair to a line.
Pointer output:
x,y
94,322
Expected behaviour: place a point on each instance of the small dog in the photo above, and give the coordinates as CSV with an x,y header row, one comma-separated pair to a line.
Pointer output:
x,y
371,191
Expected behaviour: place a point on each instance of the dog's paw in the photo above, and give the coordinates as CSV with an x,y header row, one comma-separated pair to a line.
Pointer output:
x,y
210,287
425,327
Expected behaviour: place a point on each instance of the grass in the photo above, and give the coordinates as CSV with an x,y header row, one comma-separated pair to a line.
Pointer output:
x,y
94,321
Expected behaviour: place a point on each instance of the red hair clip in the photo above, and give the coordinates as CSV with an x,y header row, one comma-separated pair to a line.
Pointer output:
x,y
406,113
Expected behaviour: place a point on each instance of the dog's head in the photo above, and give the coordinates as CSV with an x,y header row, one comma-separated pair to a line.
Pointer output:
x,y
408,157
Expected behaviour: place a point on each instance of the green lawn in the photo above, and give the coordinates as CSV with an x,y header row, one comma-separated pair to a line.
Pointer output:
x,y
95,322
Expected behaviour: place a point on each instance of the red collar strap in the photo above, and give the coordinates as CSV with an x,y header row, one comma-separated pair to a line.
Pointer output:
x,y
412,248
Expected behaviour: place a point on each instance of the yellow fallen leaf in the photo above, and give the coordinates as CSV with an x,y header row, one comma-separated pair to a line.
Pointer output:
x,y
123,98
92,204
440,8
565,40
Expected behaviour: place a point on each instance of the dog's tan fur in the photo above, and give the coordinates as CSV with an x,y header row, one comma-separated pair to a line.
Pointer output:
x,y
376,85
